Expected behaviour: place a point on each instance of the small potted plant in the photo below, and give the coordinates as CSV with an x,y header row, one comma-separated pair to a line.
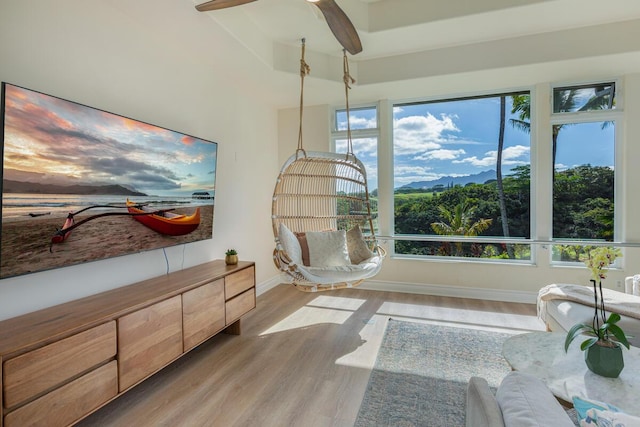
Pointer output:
x,y
603,351
231,257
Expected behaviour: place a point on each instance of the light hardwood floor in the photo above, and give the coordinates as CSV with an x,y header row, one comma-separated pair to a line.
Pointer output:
x,y
303,359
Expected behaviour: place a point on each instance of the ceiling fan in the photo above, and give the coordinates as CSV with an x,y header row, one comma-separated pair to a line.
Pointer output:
x,y
338,21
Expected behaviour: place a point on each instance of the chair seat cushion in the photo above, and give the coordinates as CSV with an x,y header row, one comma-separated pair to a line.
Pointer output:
x,y
344,273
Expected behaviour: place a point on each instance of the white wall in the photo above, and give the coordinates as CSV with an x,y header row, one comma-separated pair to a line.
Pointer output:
x,y
161,62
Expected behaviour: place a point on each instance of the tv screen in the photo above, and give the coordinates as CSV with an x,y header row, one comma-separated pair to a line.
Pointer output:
x,y
80,184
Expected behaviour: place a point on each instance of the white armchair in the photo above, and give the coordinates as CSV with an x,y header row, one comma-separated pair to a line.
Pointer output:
x,y
562,306
632,285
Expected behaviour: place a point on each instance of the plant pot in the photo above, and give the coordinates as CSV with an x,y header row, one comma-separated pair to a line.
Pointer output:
x,y
231,259
604,360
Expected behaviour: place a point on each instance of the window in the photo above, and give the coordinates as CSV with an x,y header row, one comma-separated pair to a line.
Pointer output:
x,y
363,122
584,98
361,119
583,145
462,169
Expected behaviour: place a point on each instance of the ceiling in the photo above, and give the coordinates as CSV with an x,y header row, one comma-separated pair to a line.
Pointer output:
x,y
408,39
391,27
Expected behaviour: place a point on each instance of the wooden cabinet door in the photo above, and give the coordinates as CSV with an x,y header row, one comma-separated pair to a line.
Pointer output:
x,y
148,339
202,313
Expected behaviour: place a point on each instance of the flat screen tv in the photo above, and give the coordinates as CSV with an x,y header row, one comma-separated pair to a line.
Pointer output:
x,y
80,184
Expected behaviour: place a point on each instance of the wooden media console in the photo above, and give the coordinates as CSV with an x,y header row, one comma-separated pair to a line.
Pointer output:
x,y
60,364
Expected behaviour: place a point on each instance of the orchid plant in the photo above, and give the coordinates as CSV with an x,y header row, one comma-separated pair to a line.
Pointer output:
x,y
602,329
598,261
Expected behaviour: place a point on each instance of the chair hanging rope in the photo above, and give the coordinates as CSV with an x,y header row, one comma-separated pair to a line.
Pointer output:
x,y
321,213
347,79
304,70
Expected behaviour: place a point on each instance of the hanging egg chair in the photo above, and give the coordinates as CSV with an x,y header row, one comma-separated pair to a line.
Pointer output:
x,y
321,216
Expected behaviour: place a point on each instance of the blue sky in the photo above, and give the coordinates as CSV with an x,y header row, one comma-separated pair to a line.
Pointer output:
x,y
456,138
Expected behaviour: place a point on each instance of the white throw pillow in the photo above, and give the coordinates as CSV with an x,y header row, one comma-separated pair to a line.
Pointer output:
x,y
327,248
358,248
290,244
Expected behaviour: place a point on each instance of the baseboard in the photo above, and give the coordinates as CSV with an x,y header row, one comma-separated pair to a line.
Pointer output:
x,y
424,289
267,285
452,291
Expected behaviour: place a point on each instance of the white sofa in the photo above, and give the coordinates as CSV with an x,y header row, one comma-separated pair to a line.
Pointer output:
x,y
561,314
522,400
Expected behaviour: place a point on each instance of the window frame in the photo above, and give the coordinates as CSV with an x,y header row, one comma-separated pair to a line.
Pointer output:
x,y
590,116
542,120
356,134
452,239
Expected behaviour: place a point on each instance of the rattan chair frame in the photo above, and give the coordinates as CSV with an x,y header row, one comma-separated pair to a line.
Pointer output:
x,y
320,191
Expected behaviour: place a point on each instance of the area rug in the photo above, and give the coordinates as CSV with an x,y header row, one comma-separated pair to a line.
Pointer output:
x,y
421,374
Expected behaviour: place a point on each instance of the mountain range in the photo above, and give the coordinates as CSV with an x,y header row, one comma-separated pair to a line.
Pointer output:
x,y
9,186
479,178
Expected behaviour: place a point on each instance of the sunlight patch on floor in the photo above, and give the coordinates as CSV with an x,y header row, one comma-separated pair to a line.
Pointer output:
x,y
372,331
340,303
371,334
467,318
323,309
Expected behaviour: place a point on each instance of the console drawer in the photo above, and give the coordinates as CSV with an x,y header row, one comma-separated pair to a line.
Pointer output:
x,y
30,374
239,305
239,282
70,402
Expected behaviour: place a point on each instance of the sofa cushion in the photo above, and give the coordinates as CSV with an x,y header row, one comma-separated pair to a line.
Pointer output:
x,y
526,401
482,406
566,313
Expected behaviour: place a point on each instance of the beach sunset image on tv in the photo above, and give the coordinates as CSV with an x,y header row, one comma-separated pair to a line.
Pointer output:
x,y
80,184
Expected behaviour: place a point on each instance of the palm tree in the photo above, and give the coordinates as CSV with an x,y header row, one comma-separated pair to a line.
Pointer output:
x,y
459,222
502,202
563,101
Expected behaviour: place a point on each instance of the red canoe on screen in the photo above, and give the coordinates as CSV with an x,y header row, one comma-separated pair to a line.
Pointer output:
x,y
166,223
61,235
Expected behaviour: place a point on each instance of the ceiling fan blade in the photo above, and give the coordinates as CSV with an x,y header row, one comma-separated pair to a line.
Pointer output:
x,y
220,4
340,25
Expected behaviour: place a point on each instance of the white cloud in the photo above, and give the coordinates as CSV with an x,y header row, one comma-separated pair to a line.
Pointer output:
x,y
441,154
410,170
516,155
421,133
356,122
361,146
515,152
406,174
